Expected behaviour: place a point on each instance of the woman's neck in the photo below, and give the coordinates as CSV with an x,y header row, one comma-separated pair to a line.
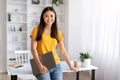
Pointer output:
x,y
47,30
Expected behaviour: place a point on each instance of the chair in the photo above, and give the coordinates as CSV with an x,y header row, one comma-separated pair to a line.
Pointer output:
x,y
23,56
25,72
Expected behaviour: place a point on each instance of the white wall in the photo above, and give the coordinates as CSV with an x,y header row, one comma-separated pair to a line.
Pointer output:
x,y
79,15
3,35
65,27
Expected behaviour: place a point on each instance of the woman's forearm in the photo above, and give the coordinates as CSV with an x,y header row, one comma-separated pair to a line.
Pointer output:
x,y
66,58
36,58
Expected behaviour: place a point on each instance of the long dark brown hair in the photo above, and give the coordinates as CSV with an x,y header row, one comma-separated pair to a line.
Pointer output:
x,y
41,26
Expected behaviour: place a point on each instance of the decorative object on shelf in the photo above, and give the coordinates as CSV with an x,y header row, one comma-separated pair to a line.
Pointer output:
x,y
35,1
85,59
12,59
12,28
57,2
9,17
16,10
20,29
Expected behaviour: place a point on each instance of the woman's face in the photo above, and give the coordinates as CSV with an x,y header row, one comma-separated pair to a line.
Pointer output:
x,y
49,18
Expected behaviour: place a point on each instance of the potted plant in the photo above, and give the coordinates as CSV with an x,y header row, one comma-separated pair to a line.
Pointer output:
x,y
85,59
57,2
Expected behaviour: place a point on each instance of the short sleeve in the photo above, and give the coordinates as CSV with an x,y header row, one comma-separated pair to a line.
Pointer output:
x,y
34,32
60,36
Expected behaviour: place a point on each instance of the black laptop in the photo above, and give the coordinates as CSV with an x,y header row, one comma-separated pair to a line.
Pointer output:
x,y
46,59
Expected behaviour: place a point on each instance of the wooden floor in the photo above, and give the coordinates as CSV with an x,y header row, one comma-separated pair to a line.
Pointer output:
x,y
66,76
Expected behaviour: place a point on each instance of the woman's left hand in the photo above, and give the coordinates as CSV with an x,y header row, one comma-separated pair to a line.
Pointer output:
x,y
74,68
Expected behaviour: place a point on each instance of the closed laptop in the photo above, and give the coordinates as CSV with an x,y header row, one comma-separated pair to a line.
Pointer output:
x,y
46,59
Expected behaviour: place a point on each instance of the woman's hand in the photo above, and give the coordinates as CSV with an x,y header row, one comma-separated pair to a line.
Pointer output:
x,y
74,68
43,69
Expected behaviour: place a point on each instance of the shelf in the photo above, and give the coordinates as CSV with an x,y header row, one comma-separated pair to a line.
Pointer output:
x,y
17,2
42,5
17,12
34,16
17,41
17,32
17,22
10,52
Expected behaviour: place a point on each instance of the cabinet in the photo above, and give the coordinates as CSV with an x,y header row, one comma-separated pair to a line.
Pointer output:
x,y
22,16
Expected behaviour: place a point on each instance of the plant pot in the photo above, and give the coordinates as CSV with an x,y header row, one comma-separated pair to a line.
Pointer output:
x,y
86,63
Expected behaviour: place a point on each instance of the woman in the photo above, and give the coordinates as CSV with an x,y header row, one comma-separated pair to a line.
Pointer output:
x,y
44,38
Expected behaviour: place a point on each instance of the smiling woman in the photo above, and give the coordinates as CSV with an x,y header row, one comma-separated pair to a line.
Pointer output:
x,y
45,37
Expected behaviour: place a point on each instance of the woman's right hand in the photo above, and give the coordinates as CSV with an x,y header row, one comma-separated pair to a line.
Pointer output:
x,y
43,69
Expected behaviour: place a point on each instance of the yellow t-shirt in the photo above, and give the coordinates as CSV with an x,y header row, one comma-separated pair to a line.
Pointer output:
x,y
47,43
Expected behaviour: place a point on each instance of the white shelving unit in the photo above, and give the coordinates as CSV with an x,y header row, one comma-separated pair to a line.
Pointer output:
x,y
22,16
16,27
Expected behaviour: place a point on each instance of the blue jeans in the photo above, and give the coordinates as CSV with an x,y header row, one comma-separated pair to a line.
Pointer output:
x,y
52,74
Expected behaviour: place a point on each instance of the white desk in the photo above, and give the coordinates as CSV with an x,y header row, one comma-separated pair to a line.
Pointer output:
x,y
26,70
23,73
91,67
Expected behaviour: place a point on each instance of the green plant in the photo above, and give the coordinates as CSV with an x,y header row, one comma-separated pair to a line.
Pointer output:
x,y
84,55
57,2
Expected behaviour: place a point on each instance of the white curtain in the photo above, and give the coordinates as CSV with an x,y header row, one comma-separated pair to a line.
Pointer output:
x,y
101,36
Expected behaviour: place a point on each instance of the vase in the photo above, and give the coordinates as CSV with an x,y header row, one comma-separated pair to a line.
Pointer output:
x,y
86,63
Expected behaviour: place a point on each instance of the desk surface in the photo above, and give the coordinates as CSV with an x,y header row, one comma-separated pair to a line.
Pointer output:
x,y
26,69
66,68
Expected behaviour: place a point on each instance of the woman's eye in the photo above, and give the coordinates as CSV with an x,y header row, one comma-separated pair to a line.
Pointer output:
x,y
51,15
46,16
